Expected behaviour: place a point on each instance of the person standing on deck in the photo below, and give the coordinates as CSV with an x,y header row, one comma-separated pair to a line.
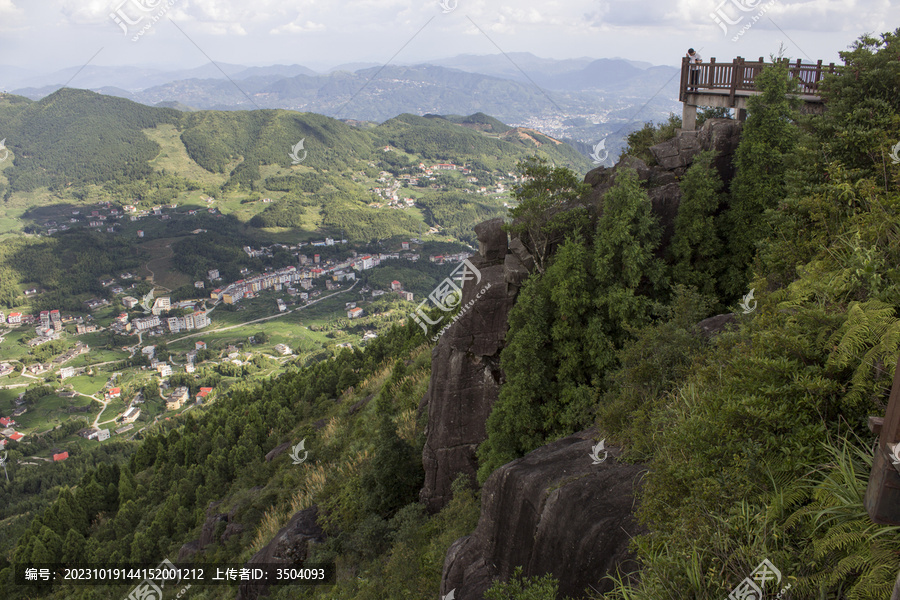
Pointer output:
x,y
694,59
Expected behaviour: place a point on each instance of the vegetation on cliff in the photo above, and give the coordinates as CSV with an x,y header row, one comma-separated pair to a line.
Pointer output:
x,y
756,441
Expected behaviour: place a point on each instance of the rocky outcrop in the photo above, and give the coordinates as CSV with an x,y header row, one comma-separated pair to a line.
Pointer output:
x,y
466,375
290,546
673,156
465,364
553,511
276,451
207,532
721,135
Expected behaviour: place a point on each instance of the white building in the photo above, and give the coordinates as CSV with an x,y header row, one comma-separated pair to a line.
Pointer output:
x,y
146,323
161,305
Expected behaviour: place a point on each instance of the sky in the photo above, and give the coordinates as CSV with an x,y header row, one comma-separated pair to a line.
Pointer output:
x,y
47,35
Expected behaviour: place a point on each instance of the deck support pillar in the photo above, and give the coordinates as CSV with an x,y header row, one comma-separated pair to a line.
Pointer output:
x,y
688,117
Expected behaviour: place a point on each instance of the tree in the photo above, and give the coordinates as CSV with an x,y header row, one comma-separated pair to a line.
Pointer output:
x,y
548,208
73,548
394,476
696,249
767,139
629,275
568,323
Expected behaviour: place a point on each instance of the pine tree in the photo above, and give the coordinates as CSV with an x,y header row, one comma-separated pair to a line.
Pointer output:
x,y
696,249
768,137
628,273
73,548
394,475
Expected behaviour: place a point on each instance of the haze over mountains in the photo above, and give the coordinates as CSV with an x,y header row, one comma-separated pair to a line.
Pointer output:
x,y
583,100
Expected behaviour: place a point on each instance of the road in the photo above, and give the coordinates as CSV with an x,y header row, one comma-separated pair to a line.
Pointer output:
x,y
208,331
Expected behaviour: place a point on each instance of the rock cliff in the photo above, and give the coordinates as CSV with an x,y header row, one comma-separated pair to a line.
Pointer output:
x,y
553,511
465,365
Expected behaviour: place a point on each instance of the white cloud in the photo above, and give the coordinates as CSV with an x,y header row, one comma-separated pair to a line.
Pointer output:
x,y
10,15
299,26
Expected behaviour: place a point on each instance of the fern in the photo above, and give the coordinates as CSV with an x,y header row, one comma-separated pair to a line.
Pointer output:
x,y
849,552
871,331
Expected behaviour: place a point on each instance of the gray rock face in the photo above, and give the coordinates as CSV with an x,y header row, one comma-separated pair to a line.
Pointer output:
x,y
290,546
552,511
465,365
276,451
721,135
207,532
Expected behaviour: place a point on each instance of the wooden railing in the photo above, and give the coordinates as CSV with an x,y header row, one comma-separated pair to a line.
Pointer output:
x,y
740,76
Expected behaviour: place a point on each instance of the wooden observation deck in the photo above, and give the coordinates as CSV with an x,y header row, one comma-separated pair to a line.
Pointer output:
x,y
729,85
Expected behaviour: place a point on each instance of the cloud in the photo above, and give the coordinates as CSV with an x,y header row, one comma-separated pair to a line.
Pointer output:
x,y
299,26
10,14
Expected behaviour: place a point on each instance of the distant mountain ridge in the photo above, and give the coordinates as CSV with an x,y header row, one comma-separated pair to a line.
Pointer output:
x,y
584,99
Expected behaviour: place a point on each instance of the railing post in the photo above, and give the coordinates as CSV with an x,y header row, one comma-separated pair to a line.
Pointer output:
x,y
738,65
682,91
711,80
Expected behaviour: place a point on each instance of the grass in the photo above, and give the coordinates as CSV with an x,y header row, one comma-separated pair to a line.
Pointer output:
x,y
160,266
173,157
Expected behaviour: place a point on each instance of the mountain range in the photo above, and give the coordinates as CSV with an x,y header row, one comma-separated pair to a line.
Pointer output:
x,y
582,99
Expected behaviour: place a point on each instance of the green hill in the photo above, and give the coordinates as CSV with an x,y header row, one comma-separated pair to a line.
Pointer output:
x,y
76,137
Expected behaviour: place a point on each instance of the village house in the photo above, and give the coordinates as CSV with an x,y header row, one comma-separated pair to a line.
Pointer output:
x,y
177,398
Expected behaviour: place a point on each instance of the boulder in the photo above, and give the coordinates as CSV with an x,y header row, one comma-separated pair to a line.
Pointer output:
x,y
358,406
207,532
518,248
231,530
277,450
188,550
290,547
553,511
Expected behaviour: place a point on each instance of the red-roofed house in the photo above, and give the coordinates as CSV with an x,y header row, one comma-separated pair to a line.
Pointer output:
x,y
200,346
14,318
7,421
114,392
353,313
396,286
60,456
203,393
16,436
